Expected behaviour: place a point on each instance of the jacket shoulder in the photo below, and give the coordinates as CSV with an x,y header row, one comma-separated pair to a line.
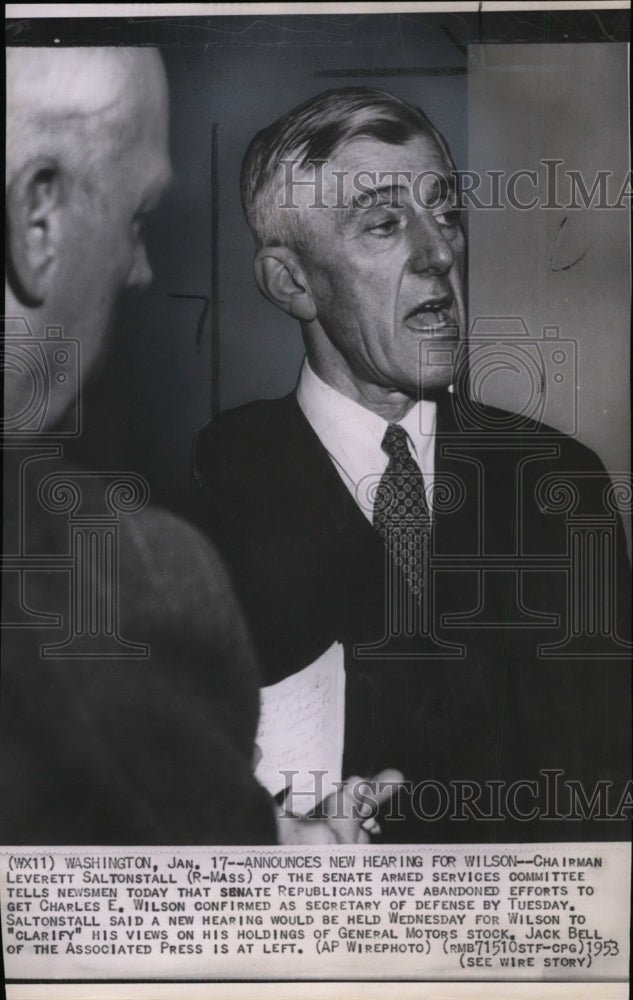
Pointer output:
x,y
251,415
504,430
248,440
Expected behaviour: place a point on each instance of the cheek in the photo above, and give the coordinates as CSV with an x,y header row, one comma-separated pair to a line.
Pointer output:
x,y
328,282
101,274
352,289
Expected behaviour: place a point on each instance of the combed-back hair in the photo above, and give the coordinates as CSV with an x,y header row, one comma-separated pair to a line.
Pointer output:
x,y
313,131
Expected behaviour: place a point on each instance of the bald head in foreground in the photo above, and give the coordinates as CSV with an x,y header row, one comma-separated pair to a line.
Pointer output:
x,y
103,741
87,160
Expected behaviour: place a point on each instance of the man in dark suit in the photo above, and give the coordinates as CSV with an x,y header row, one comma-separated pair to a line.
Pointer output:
x,y
464,566
129,686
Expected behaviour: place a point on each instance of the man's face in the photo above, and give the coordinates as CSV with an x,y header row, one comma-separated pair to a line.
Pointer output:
x,y
114,256
385,271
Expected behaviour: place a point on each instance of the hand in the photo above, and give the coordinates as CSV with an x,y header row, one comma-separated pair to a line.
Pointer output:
x,y
348,814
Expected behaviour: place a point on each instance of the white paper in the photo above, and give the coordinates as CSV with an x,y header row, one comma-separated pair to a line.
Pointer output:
x,y
301,729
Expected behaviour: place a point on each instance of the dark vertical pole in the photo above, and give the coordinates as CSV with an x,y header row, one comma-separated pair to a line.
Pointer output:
x,y
215,275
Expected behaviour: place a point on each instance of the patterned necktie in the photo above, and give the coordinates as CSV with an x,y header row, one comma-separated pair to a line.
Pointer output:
x,y
401,513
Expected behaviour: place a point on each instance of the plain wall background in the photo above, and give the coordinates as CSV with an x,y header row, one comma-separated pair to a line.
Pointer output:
x,y
564,267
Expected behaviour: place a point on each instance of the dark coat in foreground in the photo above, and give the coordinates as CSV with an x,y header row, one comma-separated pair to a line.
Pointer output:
x,y
99,748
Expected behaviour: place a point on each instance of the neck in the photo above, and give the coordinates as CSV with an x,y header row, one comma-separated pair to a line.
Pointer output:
x,y
390,404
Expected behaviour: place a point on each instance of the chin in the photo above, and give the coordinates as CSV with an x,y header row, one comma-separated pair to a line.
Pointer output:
x,y
437,360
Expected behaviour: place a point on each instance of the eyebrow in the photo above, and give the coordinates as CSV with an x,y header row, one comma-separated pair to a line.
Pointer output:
x,y
441,189
381,192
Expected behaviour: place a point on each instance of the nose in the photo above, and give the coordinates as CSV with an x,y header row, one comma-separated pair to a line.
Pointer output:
x,y
430,249
141,272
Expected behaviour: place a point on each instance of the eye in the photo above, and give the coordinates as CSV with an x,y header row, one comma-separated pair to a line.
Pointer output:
x,y
385,228
449,219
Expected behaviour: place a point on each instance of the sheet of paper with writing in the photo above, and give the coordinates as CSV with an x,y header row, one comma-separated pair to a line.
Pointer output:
x,y
301,729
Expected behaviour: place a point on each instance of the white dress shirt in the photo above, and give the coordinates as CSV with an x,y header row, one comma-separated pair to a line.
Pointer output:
x,y
352,436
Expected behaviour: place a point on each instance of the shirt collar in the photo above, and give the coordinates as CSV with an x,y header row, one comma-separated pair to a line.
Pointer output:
x,y
352,434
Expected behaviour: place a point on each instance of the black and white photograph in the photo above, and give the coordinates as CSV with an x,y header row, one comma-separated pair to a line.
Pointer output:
x,y
316,501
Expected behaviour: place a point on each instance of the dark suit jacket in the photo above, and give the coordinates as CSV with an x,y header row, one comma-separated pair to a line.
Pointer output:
x,y
155,750
480,700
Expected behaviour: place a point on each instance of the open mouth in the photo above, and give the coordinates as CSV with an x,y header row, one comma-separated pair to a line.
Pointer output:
x,y
432,314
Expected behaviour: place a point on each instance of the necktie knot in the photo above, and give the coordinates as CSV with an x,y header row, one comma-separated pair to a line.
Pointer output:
x,y
394,443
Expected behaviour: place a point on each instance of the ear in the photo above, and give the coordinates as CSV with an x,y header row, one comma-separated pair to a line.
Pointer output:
x,y
34,198
281,279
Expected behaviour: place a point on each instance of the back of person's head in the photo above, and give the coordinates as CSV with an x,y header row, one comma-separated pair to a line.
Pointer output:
x,y
87,156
